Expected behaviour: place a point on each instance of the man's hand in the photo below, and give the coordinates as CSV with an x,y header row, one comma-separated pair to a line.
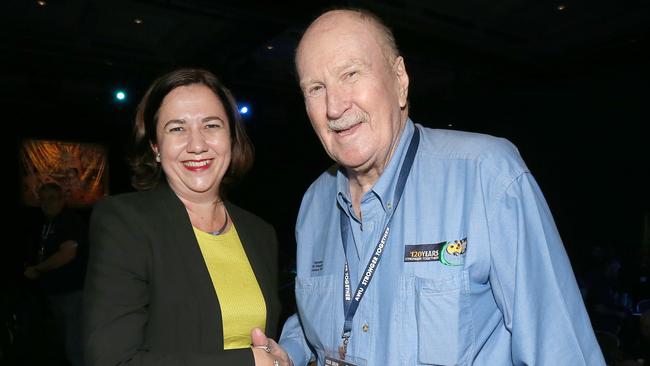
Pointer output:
x,y
275,353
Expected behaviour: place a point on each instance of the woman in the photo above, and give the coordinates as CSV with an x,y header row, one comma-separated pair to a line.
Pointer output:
x,y
177,275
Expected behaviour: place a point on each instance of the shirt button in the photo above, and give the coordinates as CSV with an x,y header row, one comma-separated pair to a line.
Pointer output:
x,y
389,205
365,327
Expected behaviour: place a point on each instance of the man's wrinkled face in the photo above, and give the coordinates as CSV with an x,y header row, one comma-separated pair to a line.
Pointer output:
x,y
354,90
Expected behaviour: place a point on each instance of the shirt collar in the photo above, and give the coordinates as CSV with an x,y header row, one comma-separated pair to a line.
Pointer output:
x,y
384,188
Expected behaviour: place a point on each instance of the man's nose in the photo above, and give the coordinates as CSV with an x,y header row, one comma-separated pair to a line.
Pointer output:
x,y
338,102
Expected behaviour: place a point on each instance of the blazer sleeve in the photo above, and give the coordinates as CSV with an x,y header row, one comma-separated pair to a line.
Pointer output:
x,y
272,299
117,296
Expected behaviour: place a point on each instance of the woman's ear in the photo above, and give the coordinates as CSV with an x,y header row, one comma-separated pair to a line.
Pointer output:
x,y
156,153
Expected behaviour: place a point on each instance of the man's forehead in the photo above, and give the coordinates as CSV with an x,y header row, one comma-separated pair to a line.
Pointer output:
x,y
338,31
338,66
338,42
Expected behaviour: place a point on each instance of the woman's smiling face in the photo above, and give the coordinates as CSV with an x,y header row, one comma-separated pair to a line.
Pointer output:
x,y
193,136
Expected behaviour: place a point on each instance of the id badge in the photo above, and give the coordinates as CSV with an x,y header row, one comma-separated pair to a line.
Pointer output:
x,y
334,359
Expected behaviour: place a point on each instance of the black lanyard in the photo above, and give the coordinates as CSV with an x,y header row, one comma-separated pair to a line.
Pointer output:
x,y
351,303
45,233
46,230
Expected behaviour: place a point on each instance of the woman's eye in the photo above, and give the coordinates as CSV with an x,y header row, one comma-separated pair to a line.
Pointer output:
x,y
350,74
213,125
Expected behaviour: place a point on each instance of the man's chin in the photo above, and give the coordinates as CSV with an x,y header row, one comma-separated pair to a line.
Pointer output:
x,y
353,163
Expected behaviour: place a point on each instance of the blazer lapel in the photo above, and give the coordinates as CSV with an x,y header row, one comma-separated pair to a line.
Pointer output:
x,y
180,236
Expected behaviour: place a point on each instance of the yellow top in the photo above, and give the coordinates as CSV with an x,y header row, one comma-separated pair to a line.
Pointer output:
x,y
240,297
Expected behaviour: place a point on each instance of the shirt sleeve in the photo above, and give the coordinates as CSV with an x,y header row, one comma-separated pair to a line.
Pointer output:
x,y
294,342
533,282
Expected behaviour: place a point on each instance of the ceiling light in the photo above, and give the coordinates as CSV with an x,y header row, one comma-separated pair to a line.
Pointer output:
x,y
41,2
120,95
561,7
269,47
244,109
138,21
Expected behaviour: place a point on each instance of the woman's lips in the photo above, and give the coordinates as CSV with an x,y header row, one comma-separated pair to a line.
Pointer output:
x,y
197,165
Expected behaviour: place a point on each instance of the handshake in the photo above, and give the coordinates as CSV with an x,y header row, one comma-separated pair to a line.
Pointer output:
x,y
266,351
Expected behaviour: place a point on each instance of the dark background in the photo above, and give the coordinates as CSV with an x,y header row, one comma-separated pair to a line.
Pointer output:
x,y
566,81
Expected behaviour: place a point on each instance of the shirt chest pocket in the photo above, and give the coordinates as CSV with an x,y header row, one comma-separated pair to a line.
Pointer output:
x,y
315,297
444,319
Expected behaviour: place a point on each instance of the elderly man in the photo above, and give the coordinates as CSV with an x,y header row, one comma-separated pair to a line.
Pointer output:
x,y
420,246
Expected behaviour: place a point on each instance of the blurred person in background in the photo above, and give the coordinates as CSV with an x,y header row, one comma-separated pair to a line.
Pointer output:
x,y
58,266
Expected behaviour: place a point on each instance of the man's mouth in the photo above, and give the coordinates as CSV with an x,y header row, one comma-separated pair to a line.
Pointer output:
x,y
348,130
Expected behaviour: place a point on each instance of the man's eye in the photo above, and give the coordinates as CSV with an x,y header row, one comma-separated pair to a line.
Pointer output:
x,y
315,89
213,125
350,74
176,129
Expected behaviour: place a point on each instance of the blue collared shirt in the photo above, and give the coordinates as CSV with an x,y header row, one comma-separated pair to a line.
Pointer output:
x,y
504,296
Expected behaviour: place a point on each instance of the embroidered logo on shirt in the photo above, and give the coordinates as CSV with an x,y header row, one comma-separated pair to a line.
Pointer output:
x,y
449,253
452,252
422,252
317,266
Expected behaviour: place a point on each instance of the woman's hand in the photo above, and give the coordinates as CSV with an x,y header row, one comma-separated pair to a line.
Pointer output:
x,y
267,352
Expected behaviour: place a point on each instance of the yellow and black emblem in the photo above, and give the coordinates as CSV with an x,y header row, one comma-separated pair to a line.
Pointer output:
x,y
451,252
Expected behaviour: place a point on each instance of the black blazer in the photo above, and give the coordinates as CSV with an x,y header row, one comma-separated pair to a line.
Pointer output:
x,y
149,298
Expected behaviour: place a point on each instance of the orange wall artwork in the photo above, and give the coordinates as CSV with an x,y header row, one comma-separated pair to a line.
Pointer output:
x,y
81,169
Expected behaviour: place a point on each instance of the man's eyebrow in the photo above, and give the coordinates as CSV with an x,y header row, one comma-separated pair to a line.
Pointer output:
x,y
303,83
337,70
348,64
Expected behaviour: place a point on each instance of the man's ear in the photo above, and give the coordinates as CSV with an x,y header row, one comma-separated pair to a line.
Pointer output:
x,y
402,80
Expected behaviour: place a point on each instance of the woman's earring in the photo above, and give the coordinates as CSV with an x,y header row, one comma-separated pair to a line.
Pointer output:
x,y
158,157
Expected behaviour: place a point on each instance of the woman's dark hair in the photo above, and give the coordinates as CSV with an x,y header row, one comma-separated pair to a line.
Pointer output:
x,y
147,173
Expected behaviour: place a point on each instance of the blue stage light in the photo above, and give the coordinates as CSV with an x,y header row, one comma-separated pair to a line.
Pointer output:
x,y
244,109
120,95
